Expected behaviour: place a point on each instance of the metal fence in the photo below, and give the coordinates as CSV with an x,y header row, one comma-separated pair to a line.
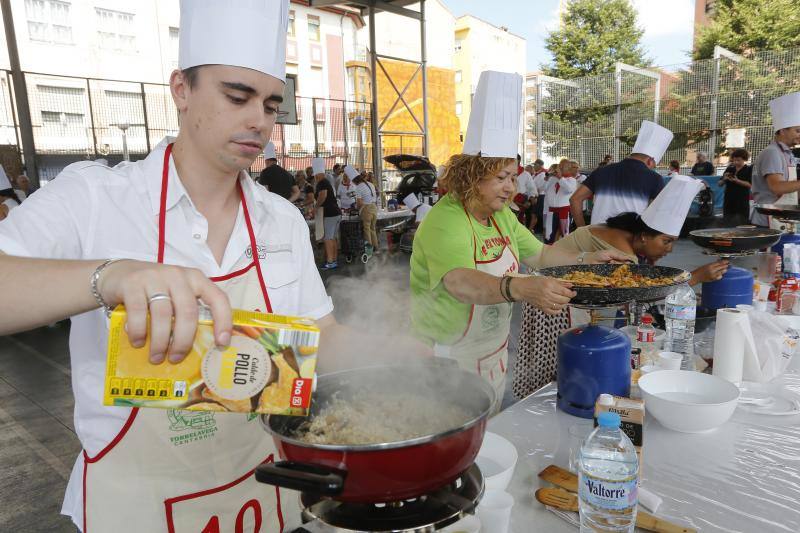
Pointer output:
x,y
76,119
710,105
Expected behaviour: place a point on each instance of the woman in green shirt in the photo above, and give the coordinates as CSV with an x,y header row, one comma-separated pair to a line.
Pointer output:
x,y
465,265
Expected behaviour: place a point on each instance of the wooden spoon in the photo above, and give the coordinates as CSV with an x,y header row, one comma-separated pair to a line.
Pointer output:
x,y
568,501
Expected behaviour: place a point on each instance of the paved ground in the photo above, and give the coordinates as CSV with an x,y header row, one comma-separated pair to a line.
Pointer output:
x,y
37,439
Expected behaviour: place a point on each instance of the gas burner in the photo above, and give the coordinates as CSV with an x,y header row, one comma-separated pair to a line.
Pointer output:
x,y
418,515
728,255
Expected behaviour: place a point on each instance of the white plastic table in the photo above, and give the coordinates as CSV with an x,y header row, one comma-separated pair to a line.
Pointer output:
x,y
741,477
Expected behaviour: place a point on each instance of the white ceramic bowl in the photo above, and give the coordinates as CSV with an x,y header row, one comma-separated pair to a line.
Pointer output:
x,y
496,459
690,402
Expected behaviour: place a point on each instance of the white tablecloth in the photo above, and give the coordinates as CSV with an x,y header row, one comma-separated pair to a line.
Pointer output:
x,y
742,477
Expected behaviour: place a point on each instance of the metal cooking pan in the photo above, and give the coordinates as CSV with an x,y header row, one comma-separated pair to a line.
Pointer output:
x,y
786,212
392,471
601,296
741,239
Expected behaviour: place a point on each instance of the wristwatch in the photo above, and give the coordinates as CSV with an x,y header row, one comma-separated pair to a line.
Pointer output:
x,y
581,257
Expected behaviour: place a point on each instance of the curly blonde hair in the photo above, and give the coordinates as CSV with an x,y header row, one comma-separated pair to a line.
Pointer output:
x,y
463,173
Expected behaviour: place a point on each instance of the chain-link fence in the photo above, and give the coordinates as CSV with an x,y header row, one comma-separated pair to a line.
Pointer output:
x,y
76,119
710,105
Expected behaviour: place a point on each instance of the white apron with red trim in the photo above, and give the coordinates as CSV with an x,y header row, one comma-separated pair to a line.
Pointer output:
x,y
190,471
483,349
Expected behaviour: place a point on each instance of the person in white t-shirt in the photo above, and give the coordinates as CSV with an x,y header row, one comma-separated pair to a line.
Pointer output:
x,y
525,192
559,191
540,184
366,198
346,193
184,224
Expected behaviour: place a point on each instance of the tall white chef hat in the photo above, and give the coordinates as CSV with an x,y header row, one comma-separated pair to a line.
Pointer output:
x,y
244,33
411,201
5,183
269,151
318,165
493,129
653,140
785,111
350,172
668,211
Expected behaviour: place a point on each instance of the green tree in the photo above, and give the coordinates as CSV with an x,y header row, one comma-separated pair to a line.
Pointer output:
x,y
744,26
593,36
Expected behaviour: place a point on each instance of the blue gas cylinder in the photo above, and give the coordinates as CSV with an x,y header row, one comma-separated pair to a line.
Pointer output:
x,y
592,360
786,238
735,287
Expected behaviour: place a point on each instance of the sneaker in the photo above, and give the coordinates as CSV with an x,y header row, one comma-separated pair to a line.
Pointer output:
x,y
329,266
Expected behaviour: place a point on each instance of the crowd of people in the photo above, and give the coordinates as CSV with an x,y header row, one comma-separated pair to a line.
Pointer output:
x,y
325,196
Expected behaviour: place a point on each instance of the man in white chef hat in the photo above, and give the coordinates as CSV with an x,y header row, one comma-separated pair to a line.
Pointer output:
x,y
275,178
418,208
156,235
775,168
627,186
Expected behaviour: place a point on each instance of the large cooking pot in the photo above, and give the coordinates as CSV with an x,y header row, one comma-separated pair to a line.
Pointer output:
x,y
606,296
390,471
735,240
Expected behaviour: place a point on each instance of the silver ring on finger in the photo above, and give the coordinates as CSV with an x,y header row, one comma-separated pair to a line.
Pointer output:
x,y
555,306
159,296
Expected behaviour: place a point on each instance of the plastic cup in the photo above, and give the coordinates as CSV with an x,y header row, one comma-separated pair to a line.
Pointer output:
x,y
494,511
670,360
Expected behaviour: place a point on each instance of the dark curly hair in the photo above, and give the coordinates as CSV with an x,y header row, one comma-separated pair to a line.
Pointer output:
x,y
631,222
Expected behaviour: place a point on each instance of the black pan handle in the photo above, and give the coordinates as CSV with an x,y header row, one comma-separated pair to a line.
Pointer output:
x,y
303,477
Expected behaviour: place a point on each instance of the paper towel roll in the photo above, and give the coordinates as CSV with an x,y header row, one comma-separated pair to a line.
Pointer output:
x,y
729,344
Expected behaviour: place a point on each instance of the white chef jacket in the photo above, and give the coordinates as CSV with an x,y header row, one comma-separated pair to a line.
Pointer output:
x,y
525,184
91,211
540,182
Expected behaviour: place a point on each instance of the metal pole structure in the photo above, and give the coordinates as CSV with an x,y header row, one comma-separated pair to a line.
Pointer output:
x,y
21,96
344,131
719,53
314,113
91,115
424,47
618,111
538,116
13,111
376,138
146,122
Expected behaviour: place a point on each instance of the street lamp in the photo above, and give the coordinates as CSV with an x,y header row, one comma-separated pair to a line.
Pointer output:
x,y
123,126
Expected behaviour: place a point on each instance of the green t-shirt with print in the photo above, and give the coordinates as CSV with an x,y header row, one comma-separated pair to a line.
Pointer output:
x,y
446,241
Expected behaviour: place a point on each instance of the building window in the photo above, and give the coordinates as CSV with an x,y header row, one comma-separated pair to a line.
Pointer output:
x,y
458,108
65,120
458,45
291,24
115,30
313,28
458,76
49,21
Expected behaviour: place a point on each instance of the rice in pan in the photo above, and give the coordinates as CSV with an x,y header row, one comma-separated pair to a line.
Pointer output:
x,y
375,418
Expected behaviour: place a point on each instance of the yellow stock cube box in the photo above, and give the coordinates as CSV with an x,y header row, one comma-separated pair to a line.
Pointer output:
x,y
268,368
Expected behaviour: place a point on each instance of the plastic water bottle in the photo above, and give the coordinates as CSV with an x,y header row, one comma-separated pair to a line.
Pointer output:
x,y
679,317
646,341
608,476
